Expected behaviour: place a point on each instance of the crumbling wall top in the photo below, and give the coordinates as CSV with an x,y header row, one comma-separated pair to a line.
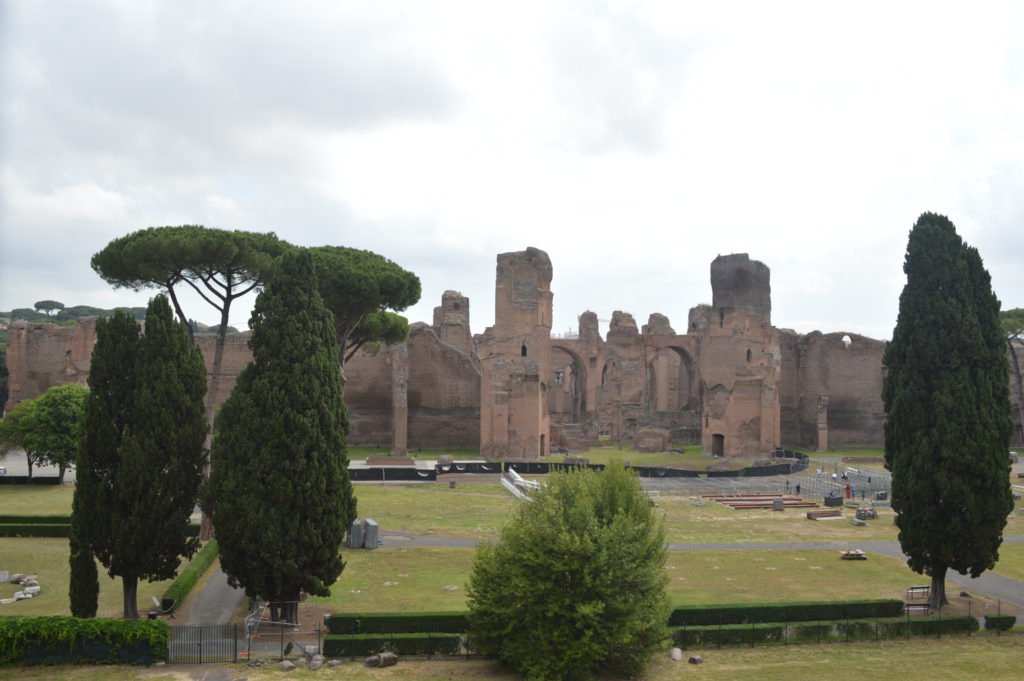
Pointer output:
x,y
658,325
741,285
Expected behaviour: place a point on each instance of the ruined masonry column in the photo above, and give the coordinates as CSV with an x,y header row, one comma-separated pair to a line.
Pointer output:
x,y
822,423
399,398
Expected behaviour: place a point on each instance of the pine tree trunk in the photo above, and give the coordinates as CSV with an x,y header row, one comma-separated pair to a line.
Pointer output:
x,y
131,588
938,591
60,473
28,460
1020,394
291,610
206,522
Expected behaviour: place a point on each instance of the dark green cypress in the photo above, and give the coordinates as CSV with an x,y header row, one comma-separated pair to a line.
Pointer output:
x,y
279,488
946,398
142,453
84,585
107,412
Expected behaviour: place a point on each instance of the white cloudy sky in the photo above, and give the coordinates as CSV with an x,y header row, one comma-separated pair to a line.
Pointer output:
x,y
633,142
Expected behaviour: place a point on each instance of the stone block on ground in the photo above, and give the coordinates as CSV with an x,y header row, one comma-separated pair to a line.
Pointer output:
x,y
695,659
675,654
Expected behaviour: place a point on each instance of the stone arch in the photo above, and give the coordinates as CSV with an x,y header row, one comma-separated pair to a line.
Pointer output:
x,y
672,380
576,384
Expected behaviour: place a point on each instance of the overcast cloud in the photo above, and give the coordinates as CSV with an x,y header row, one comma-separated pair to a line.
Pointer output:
x,y
633,142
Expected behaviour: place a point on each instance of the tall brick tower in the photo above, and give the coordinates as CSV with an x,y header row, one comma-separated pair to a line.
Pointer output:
x,y
739,360
515,359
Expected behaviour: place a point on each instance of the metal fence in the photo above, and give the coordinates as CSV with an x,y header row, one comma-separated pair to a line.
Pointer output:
x,y
811,484
199,644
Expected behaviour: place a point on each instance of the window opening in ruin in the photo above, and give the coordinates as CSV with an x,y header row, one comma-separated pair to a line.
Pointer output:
x,y
559,377
721,318
456,306
847,341
522,350
749,354
717,445
542,451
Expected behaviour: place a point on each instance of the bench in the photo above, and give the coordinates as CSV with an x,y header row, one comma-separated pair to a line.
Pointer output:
x,y
918,607
918,592
825,513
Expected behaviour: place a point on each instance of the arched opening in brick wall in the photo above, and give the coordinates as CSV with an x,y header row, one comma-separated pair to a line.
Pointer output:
x,y
568,400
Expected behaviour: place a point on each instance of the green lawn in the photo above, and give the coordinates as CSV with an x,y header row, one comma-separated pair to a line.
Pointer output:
x,y
395,579
437,510
850,452
718,523
1011,562
48,558
36,499
477,511
357,453
958,658
692,459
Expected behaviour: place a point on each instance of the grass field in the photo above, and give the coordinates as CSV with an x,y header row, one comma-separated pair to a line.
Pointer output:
x,y
36,499
48,558
993,658
434,579
1011,562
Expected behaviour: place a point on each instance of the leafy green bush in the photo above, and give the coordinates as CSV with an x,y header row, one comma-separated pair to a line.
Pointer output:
x,y
49,639
575,586
399,622
182,586
358,645
783,612
999,622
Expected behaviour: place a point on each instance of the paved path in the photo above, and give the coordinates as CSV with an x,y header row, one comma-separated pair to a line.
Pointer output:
x,y
990,584
216,602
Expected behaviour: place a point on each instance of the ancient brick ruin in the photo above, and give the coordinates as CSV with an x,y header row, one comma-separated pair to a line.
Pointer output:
x,y
733,383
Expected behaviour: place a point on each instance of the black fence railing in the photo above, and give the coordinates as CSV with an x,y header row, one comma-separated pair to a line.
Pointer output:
x,y
200,644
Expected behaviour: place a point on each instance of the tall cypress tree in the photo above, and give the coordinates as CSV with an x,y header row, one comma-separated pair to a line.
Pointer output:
x,y
83,585
142,450
279,491
107,412
947,429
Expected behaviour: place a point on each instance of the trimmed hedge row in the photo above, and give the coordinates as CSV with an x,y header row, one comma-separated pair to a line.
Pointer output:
x,y
892,627
182,586
35,520
42,529
458,622
697,615
25,480
34,530
359,645
58,639
1000,622
398,622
